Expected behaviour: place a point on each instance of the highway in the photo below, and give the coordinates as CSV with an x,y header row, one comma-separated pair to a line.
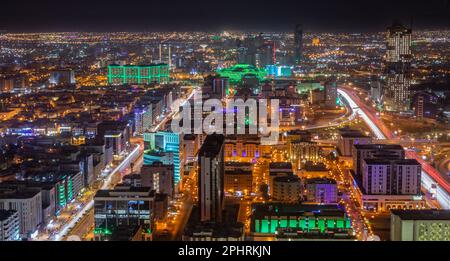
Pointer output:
x,y
430,177
351,102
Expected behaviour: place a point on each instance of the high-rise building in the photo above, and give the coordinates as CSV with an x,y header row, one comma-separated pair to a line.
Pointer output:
x,y
9,225
210,181
143,119
420,225
373,151
28,203
331,94
298,44
425,105
165,54
376,91
397,66
397,177
167,143
159,177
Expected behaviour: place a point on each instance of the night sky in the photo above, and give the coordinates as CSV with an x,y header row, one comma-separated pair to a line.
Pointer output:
x,y
214,15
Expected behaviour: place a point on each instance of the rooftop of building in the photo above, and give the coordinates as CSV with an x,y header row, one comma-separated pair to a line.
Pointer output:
x,y
295,209
428,214
124,190
140,65
320,181
212,145
389,160
379,146
18,193
287,179
157,163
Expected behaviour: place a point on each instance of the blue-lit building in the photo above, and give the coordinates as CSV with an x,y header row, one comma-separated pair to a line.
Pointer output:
x,y
163,146
279,70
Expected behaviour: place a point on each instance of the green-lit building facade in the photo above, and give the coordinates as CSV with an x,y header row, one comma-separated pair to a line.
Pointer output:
x,y
236,72
270,219
138,74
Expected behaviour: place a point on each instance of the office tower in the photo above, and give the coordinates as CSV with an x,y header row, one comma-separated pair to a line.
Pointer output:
x,y
331,94
138,74
114,139
397,67
165,54
9,225
425,105
376,90
210,181
298,42
122,207
167,145
391,177
420,225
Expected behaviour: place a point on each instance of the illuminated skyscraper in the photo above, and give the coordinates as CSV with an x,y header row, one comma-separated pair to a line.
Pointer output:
x,y
397,65
165,54
210,181
331,94
298,42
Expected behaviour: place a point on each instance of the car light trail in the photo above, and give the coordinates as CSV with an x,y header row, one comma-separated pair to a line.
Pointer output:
x,y
430,175
376,131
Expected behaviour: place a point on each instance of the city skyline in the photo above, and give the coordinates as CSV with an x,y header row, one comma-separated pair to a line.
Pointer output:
x,y
215,134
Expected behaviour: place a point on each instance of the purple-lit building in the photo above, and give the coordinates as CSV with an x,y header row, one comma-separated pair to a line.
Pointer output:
x,y
321,190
